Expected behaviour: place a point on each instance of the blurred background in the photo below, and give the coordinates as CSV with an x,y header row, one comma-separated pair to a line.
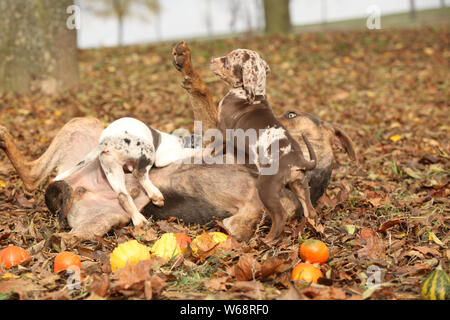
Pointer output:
x,y
113,22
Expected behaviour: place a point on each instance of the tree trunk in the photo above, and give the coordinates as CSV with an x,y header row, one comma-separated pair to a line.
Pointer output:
x,y
120,30
277,16
38,52
412,10
443,3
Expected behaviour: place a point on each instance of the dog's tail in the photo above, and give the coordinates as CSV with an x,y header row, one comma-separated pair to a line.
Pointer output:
x,y
311,164
91,156
344,139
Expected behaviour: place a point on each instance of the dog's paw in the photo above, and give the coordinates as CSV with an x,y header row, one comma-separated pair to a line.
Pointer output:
x,y
139,220
158,201
181,55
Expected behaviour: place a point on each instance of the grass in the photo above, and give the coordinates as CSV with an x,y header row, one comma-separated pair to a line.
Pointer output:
x,y
388,21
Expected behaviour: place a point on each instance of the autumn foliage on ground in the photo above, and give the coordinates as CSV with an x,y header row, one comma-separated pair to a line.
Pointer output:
x,y
389,90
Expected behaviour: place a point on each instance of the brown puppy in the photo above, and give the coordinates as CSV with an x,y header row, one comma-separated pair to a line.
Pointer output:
x,y
277,155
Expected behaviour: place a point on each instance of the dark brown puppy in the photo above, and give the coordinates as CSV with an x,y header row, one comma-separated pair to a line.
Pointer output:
x,y
276,154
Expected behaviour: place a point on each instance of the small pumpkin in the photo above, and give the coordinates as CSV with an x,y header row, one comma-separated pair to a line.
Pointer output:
x,y
314,251
12,256
307,272
436,286
171,245
66,260
128,252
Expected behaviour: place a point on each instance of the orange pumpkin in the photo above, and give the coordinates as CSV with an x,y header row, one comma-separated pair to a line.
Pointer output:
x,y
307,272
13,255
314,251
64,260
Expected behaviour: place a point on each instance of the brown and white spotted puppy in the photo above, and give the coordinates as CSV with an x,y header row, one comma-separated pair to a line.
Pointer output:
x,y
244,108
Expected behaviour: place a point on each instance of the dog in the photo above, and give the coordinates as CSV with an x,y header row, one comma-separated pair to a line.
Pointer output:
x,y
245,107
129,143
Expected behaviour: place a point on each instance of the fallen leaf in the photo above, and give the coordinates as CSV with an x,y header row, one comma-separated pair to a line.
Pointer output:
x,y
273,265
428,250
22,287
340,96
293,293
134,276
435,239
217,284
395,137
413,174
350,229
389,224
323,293
100,285
375,202
203,245
247,268
373,247
251,289
24,202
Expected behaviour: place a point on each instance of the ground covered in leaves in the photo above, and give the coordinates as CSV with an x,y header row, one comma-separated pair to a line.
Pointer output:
x,y
389,213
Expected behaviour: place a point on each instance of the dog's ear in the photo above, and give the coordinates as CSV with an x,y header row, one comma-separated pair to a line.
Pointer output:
x,y
254,72
266,66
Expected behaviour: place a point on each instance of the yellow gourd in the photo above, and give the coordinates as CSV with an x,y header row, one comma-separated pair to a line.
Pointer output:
x,y
128,252
167,247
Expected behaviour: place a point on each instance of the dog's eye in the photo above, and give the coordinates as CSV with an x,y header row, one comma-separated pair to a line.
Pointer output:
x,y
291,114
224,61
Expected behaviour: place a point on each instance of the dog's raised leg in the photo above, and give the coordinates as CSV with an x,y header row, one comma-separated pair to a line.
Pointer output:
x,y
205,110
116,177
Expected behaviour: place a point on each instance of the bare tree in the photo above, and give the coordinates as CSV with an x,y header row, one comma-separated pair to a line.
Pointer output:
x,y
412,9
38,46
259,8
443,3
277,16
122,8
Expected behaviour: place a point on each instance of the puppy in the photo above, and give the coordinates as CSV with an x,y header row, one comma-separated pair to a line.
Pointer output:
x,y
129,143
245,107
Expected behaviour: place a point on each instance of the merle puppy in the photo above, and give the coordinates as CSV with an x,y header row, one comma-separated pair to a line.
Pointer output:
x,y
130,144
245,107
